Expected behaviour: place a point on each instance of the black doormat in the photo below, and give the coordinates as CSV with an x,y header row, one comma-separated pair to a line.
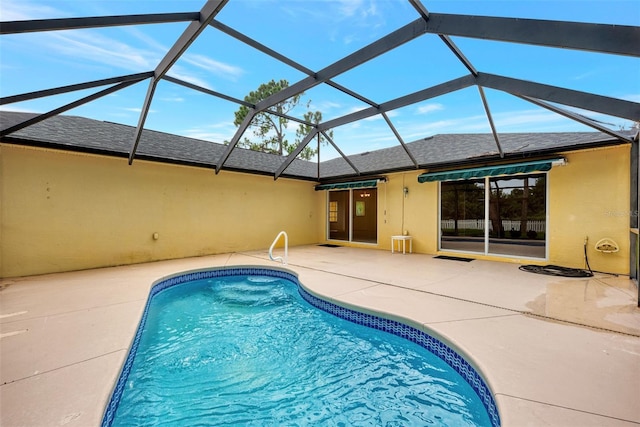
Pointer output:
x,y
329,245
454,258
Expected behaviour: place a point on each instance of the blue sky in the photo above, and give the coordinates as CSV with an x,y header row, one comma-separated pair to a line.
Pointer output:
x,y
314,34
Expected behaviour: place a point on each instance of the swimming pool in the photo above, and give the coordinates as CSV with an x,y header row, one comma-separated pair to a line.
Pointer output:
x,y
222,331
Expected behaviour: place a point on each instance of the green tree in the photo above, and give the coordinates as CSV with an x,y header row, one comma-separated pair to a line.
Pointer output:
x,y
270,129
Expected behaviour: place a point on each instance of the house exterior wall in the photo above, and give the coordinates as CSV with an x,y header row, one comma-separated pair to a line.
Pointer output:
x,y
587,198
63,211
414,213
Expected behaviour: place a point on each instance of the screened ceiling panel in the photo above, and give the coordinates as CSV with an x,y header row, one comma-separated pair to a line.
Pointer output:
x,y
213,121
121,107
225,64
325,31
509,115
426,61
383,73
365,135
332,102
610,122
456,112
572,69
49,59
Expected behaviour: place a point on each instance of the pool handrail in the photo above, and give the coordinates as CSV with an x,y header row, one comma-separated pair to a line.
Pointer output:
x,y
286,247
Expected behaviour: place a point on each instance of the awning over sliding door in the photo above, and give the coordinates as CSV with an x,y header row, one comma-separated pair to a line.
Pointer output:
x,y
352,184
509,169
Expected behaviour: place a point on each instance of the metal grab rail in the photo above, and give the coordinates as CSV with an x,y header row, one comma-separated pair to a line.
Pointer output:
x,y
286,248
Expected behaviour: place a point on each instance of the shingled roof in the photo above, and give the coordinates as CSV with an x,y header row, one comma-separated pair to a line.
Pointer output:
x,y
451,150
440,151
81,134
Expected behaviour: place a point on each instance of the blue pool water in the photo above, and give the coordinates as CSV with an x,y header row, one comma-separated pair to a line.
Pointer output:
x,y
250,349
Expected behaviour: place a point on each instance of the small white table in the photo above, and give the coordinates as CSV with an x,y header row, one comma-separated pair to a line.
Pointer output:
x,y
402,239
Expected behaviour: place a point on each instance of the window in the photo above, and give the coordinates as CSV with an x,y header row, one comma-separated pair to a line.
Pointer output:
x,y
333,211
503,215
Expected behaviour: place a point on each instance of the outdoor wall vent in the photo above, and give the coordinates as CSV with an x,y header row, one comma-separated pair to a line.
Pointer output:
x,y
607,246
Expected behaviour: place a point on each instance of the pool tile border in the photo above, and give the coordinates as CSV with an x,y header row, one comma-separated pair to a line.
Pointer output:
x,y
435,346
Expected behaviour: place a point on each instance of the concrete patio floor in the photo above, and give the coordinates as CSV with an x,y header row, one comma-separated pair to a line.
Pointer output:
x,y
555,351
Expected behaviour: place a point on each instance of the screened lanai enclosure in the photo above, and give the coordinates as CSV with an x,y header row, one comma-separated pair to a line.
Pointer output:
x,y
446,64
462,42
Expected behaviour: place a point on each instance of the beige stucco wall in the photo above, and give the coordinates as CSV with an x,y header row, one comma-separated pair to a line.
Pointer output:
x,y
587,197
63,211
415,212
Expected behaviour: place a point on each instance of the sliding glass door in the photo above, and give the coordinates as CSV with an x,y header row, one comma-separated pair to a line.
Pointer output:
x,y
462,215
503,215
365,215
353,215
517,216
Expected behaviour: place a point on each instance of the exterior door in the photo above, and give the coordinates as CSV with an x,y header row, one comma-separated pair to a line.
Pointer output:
x,y
353,215
365,215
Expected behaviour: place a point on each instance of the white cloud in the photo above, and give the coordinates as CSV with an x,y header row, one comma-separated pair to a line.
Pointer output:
x,y
512,121
324,106
91,47
207,136
217,132
377,117
149,41
356,109
429,108
180,73
634,97
349,7
17,109
343,20
86,45
171,99
227,71
525,117
356,8
96,48
416,131
21,10
136,110
587,74
349,38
